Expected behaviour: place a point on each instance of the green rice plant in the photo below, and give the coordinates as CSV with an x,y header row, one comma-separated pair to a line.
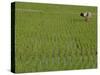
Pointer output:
x,y
54,37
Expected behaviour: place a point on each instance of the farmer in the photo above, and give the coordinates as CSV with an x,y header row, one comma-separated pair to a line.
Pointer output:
x,y
86,15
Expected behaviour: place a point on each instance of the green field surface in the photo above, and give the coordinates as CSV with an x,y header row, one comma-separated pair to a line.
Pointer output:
x,y
51,37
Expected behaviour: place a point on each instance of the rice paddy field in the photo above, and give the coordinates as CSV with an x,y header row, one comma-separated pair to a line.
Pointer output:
x,y
51,37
